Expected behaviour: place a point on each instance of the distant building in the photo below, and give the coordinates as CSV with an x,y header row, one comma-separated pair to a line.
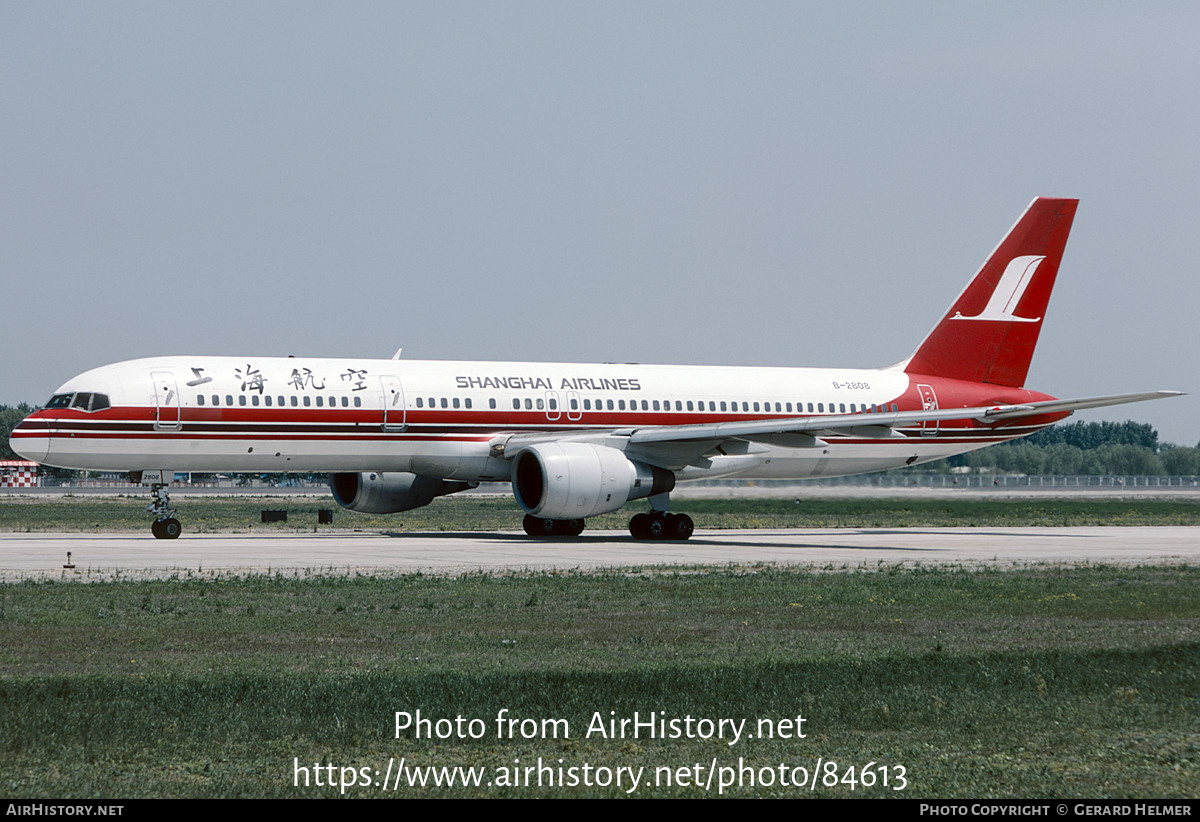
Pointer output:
x,y
19,474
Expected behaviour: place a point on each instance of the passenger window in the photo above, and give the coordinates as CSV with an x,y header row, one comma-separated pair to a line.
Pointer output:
x,y
468,402
689,405
491,402
216,400
456,402
229,399
842,407
528,404
241,399
553,404
444,403
199,399
307,401
358,402
821,407
254,399
656,408
610,405
420,402
574,404
587,405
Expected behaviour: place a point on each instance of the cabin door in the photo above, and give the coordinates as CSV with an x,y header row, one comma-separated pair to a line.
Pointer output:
x,y
166,401
394,409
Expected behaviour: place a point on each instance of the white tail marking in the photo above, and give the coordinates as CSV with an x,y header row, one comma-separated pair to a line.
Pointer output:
x,y
1008,292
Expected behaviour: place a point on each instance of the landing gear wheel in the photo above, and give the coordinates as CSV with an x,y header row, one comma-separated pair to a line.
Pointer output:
x,y
661,525
680,526
538,527
165,526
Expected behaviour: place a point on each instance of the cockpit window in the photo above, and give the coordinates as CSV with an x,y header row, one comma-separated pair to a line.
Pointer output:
x,y
84,401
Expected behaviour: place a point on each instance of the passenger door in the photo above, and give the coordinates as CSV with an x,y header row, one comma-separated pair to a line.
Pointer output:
x,y
166,401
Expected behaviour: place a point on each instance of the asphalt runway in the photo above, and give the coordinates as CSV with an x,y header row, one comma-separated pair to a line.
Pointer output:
x,y
99,557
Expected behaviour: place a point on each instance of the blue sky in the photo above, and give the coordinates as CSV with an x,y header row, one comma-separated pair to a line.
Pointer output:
x,y
751,183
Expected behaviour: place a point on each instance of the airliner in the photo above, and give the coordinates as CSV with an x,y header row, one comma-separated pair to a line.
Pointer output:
x,y
574,440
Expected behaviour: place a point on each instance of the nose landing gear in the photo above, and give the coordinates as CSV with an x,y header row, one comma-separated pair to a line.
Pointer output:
x,y
165,526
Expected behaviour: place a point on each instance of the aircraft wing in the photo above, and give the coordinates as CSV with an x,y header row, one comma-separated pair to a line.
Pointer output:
x,y
877,425
894,419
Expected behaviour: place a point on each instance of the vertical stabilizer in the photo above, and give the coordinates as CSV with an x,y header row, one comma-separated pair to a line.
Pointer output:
x,y
990,331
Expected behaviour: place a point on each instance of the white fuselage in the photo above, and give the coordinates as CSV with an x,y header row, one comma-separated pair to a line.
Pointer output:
x,y
444,419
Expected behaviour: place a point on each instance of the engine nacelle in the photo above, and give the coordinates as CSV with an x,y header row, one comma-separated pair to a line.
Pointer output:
x,y
379,493
571,480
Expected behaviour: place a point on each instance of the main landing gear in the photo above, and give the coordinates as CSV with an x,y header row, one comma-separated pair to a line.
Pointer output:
x,y
661,525
657,524
538,527
165,526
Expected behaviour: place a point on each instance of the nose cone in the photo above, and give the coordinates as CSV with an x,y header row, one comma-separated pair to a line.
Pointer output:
x,y
31,439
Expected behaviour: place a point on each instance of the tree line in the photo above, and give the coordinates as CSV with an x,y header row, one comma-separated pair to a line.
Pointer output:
x,y
1086,448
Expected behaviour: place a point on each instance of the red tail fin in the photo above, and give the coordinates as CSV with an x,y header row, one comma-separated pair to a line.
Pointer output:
x,y
990,331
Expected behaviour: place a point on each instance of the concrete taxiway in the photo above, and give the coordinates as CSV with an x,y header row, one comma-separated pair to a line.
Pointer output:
x,y
99,557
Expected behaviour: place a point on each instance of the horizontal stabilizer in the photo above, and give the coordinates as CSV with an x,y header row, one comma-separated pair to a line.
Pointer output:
x,y
1056,406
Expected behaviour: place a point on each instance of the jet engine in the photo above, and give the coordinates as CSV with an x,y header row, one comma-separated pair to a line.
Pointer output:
x,y
571,480
379,493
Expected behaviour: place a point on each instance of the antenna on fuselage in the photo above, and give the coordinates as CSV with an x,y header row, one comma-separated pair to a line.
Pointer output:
x,y
396,356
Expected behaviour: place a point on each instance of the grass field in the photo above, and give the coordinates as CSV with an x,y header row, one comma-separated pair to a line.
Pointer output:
x,y
202,514
1033,683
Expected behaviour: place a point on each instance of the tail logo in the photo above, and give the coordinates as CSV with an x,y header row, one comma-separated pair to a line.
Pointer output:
x,y
1008,292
